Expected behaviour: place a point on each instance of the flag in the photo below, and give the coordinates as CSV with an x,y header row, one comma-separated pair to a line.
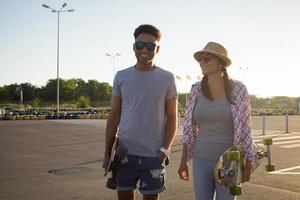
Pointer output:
x,y
178,77
188,77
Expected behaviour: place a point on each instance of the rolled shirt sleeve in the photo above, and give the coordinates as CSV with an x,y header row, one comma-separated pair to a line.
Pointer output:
x,y
172,89
116,90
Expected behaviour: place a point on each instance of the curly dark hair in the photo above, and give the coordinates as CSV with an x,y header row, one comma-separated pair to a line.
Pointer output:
x,y
147,28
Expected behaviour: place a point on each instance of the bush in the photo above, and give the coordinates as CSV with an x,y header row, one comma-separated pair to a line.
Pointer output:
x,y
83,102
36,102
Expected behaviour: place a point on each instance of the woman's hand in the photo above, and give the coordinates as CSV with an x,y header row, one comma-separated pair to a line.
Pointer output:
x,y
183,171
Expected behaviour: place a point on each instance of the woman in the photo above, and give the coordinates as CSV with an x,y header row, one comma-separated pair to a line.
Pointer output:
x,y
217,117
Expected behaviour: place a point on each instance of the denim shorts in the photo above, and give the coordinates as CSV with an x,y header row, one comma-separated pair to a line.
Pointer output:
x,y
149,172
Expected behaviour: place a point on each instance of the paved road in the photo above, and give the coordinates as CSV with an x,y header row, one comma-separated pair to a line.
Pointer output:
x,y
71,150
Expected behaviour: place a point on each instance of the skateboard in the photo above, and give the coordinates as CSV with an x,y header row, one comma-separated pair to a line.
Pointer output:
x,y
229,167
112,167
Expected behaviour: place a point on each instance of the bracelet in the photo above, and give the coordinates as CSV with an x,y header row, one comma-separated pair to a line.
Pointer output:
x,y
165,151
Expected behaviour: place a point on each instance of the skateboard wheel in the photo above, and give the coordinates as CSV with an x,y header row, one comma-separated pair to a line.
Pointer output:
x,y
233,155
235,190
268,141
270,168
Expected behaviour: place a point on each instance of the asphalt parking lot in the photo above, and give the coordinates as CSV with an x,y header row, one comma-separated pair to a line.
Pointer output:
x,y
61,159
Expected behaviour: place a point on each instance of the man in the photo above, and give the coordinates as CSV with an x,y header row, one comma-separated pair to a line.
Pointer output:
x,y
143,112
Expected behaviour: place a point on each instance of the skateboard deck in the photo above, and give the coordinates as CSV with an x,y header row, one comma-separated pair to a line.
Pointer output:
x,y
111,182
229,168
112,156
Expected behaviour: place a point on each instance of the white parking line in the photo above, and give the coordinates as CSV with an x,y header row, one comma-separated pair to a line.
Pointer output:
x,y
286,171
290,146
286,138
287,142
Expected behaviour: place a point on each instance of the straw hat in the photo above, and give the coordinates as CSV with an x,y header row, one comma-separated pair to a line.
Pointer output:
x,y
215,49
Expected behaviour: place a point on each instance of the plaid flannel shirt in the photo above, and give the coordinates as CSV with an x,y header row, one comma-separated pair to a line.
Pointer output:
x,y
241,113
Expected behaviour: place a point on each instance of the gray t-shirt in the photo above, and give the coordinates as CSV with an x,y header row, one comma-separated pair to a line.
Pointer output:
x,y
143,117
215,127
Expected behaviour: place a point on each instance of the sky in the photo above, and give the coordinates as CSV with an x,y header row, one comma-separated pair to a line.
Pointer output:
x,y
261,36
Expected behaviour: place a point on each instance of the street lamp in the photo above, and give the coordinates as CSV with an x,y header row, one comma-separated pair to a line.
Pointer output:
x,y
58,14
113,56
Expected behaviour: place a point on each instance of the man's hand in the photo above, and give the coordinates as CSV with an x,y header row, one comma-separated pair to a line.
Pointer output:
x,y
161,156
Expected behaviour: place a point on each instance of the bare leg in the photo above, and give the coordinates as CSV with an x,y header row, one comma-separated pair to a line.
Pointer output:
x,y
151,197
126,195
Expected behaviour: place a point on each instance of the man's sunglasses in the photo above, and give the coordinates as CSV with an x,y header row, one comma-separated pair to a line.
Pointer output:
x,y
150,46
206,57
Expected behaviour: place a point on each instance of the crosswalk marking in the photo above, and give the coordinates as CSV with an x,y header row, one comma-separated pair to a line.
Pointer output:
x,y
282,140
291,146
287,171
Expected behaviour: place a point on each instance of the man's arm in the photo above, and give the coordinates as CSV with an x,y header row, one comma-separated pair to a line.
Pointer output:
x,y
171,126
112,126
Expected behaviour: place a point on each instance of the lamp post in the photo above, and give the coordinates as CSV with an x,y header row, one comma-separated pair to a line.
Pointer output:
x,y
57,58
19,91
113,57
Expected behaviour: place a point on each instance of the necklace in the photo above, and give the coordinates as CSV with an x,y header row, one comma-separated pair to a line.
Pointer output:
x,y
147,69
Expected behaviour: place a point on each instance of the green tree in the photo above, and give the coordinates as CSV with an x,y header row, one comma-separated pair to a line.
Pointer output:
x,y
49,92
80,88
181,102
92,89
3,94
69,90
28,91
9,92
36,102
105,91
255,102
83,102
